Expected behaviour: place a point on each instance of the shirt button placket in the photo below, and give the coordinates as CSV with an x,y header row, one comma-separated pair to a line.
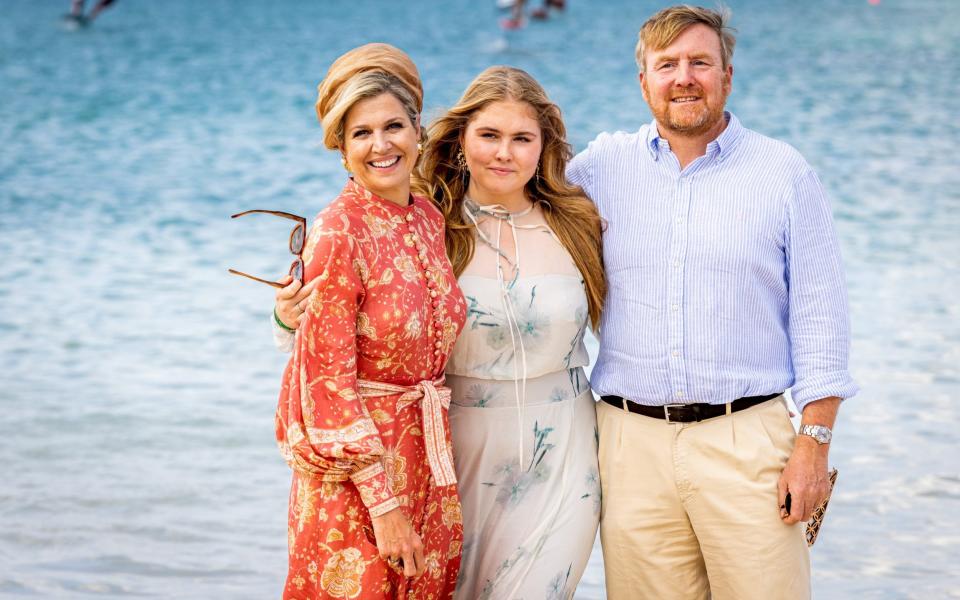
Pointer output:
x,y
675,291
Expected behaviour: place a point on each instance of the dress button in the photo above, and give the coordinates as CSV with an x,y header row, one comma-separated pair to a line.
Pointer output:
x,y
433,293
437,345
409,217
431,283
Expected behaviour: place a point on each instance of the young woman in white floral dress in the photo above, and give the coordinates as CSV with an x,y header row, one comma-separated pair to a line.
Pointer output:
x,y
525,246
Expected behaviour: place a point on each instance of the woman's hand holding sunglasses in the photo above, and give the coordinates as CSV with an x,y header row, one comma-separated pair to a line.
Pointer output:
x,y
292,300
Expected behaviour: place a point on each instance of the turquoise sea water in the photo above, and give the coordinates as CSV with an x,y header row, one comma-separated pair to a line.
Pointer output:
x,y
138,379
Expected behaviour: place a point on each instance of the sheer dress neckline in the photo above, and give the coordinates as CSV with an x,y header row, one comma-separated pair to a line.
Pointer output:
x,y
489,222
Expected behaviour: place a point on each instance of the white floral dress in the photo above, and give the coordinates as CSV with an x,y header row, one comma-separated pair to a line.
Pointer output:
x,y
522,417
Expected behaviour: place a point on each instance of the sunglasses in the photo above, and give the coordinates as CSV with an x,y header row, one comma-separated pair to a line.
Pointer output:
x,y
297,237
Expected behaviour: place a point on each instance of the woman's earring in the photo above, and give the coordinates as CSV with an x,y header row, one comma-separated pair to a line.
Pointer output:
x,y
537,174
343,161
419,147
461,160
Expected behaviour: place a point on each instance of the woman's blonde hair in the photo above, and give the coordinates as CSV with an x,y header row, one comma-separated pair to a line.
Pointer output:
x,y
567,209
366,72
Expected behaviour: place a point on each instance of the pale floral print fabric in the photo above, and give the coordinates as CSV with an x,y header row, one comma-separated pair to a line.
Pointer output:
x,y
525,447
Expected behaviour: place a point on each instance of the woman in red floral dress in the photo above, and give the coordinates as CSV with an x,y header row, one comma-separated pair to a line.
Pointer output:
x,y
362,417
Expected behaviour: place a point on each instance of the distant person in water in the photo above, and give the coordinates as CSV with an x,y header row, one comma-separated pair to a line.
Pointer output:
x,y
544,11
516,20
76,11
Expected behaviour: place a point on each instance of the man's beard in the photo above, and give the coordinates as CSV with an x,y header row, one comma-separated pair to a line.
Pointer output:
x,y
702,123
699,124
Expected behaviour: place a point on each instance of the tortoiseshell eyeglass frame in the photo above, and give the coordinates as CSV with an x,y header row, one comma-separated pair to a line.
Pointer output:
x,y
297,239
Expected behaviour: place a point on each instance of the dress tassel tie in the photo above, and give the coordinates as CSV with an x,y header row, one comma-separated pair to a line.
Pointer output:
x,y
434,398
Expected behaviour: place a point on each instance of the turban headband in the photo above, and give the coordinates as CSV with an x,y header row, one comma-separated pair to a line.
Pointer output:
x,y
370,57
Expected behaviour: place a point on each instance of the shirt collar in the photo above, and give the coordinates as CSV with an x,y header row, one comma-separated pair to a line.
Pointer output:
x,y
728,138
654,141
721,146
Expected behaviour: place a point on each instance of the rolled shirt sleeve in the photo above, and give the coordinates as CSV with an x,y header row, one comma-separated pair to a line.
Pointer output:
x,y
818,321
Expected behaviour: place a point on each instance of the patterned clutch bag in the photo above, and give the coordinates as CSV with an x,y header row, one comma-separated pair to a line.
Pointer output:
x,y
816,520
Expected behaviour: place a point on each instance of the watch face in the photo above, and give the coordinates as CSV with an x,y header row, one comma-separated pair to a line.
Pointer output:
x,y
818,432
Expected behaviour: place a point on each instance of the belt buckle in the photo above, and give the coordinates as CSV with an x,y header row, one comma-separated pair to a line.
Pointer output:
x,y
666,411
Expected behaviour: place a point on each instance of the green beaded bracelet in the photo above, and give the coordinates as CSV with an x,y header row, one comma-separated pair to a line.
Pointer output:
x,y
280,323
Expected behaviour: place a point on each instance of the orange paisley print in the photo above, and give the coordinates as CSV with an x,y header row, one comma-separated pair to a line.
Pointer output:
x,y
386,309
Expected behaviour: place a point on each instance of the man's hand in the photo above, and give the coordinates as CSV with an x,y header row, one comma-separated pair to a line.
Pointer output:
x,y
397,540
805,477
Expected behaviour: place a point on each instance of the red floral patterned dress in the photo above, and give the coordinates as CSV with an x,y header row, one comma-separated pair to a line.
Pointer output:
x,y
362,418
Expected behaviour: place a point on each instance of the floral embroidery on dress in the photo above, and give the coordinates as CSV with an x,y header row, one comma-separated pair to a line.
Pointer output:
x,y
557,588
342,572
531,322
514,482
592,481
355,457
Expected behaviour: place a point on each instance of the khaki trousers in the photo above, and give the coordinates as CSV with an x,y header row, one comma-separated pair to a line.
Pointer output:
x,y
690,509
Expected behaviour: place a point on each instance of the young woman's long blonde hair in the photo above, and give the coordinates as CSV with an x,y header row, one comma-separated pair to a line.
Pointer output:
x,y
567,209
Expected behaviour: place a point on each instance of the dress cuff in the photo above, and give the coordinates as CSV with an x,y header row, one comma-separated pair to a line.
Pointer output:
x,y
375,489
283,340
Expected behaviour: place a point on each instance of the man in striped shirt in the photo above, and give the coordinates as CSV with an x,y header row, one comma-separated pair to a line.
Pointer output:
x,y
725,289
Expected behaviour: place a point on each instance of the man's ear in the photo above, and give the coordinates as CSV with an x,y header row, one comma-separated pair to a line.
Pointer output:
x,y
643,88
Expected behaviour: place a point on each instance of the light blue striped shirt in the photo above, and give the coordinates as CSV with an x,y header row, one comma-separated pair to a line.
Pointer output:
x,y
724,279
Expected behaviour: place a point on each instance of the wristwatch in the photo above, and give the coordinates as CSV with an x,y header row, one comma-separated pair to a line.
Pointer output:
x,y
821,433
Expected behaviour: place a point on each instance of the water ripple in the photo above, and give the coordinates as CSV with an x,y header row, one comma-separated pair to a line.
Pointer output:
x,y
139,380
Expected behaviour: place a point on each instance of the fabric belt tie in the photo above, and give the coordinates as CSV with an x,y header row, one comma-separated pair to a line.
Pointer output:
x,y
434,398
687,413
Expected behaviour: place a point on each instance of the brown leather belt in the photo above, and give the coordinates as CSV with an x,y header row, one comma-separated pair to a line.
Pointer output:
x,y
687,413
